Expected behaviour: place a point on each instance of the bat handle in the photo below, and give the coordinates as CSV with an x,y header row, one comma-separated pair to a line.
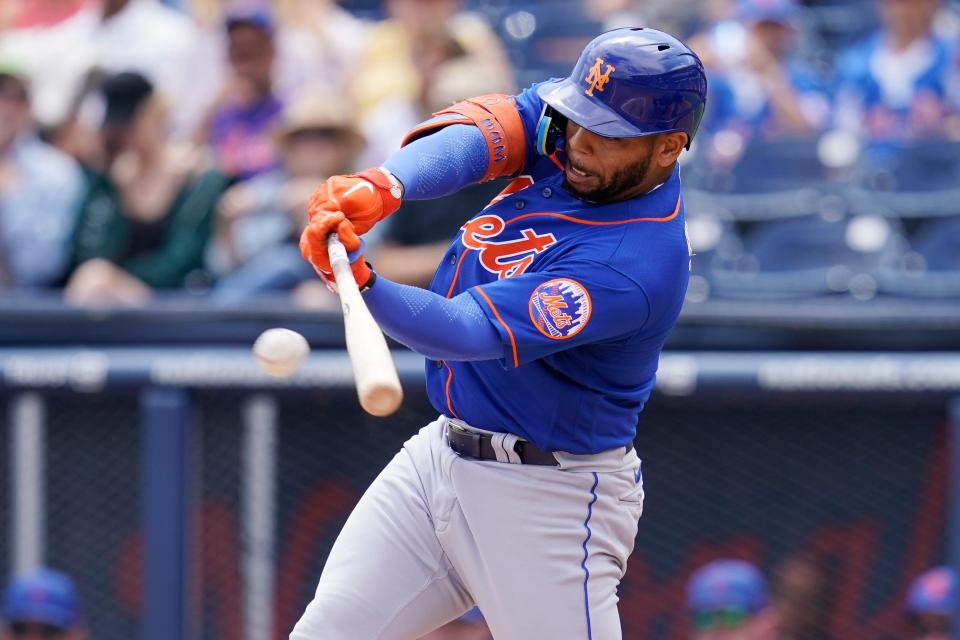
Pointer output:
x,y
378,385
340,263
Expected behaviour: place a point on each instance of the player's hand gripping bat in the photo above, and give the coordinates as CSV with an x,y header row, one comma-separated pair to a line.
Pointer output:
x,y
378,386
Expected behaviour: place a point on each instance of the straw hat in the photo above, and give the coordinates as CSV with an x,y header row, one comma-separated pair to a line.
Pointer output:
x,y
318,111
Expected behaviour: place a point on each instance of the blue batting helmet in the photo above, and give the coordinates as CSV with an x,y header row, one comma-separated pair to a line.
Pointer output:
x,y
631,82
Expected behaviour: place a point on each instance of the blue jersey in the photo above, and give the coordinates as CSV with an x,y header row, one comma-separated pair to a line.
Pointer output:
x,y
583,296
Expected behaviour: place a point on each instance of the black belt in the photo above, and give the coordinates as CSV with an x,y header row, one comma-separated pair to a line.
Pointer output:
x,y
480,446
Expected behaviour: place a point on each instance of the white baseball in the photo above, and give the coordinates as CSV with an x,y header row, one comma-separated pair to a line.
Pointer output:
x,y
280,351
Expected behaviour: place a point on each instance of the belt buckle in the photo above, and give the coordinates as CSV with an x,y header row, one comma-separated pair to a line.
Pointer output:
x,y
474,449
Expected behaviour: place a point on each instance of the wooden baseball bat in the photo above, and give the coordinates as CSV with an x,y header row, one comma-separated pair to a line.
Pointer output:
x,y
378,386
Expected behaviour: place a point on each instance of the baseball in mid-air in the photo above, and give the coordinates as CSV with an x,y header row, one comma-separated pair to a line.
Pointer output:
x,y
280,351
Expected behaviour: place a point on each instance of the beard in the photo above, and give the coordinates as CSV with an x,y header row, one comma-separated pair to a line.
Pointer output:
x,y
622,181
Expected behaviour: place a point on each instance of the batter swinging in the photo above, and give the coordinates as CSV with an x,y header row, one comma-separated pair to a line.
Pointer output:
x,y
542,330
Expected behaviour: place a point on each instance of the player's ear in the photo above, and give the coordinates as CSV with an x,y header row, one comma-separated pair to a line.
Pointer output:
x,y
667,148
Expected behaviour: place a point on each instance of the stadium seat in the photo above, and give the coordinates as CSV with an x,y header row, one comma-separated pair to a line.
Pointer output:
x,y
917,180
932,268
762,167
811,256
543,39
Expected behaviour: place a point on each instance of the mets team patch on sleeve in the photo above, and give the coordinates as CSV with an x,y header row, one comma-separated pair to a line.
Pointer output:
x,y
560,308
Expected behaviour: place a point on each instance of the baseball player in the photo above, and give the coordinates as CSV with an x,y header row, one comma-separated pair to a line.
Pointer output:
x,y
542,330
931,602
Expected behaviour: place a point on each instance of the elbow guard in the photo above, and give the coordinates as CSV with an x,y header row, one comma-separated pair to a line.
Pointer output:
x,y
496,116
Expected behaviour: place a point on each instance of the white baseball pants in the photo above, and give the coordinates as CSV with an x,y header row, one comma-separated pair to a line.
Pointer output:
x,y
540,550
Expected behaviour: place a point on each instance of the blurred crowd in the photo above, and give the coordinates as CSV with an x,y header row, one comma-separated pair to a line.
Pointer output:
x,y
151,148
726,599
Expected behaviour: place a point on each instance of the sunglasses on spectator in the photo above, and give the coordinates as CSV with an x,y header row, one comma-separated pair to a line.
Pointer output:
x,y
724,619
22,629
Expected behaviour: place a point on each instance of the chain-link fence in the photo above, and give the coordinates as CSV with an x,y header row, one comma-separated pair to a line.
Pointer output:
x,y
93,505
853,494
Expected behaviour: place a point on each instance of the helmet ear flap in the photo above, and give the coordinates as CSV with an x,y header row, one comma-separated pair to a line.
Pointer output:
x,y
550,127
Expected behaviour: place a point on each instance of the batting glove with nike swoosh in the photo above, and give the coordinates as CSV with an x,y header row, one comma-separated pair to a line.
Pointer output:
x,y
365,198
313,247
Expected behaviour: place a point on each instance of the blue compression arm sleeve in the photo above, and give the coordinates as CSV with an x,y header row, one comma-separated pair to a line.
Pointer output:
x,y
433,326
441,163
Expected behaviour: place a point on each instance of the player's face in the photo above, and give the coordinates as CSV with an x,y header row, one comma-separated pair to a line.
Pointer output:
x,y
602,169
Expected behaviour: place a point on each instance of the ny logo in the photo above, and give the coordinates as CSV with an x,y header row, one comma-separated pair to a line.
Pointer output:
x,y
597,80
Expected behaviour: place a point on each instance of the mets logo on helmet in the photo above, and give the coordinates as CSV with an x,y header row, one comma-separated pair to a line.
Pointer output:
x,y
597,80
560,308
506,258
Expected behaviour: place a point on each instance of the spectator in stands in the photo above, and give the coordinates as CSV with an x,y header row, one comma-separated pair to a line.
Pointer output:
x,y
417,236
317,44
113,36
469,626
801,599
931,601
39,189
242,122
259,221
320,45
728,600
143,222
402,58
42,605
893,86
759,85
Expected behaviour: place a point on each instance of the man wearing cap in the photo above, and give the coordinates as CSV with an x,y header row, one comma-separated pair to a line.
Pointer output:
x,y
728,600
42,605
241,123
931,602
39,189
254,248
760,86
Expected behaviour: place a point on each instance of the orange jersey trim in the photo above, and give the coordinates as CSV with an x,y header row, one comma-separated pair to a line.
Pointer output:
x,y
446,389
676,211
456,273
496,314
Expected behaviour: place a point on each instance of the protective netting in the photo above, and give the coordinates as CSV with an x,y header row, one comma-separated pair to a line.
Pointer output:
x,y
93,505
857,493
854,494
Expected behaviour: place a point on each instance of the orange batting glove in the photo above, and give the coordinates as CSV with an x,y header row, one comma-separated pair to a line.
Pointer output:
x,y
365,198
313,247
